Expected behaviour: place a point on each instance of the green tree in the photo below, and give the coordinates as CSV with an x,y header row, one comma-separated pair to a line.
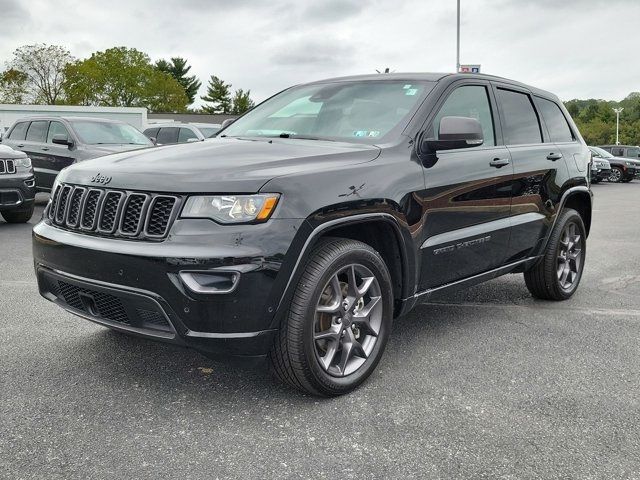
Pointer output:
x,y
13,86
45,67
218,96
177,67
123,77
242,101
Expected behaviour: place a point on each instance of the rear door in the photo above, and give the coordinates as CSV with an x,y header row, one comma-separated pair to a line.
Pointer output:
x,y
539,170
467,200
58,156
35,147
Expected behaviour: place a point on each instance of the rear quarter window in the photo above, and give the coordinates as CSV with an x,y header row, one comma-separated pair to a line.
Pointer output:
x,y
556,122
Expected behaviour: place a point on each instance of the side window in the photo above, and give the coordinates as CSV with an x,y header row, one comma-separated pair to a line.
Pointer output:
x,y
56,128
469,101
19,132
151,132
37,131
185,134
555,120
167,135
520,122
617,152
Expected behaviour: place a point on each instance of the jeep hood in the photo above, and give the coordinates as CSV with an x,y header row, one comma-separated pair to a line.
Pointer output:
x,y
221,165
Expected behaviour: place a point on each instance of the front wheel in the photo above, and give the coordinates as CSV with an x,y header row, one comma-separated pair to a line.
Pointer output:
x,y
557,275
337,326
616,175
21,216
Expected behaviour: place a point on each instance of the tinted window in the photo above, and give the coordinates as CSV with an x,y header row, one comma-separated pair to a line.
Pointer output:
x,y
185,134
469,101
520,120
37,131
56,128
151,132
617,152
19,132
167,135
555,120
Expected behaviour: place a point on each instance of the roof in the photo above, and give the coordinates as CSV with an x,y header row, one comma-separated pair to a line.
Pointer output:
x,y
69,118
432,77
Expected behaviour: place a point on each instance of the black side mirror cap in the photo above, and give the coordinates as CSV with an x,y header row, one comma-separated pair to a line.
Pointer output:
x,y
455,132
62,139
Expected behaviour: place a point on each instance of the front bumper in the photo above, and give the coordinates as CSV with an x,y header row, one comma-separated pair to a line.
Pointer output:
x,y
17,192
81,272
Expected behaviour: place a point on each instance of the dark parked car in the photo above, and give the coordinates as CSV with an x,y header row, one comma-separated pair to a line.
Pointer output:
x,y
167,134
622,169
54,143
626,151
17,186
310,223
600,166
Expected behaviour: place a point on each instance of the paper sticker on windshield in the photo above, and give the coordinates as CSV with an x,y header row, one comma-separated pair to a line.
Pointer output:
x,y
411,91
374,133
406,87
360,133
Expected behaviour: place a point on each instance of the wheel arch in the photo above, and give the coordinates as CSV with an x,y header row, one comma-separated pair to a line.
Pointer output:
x,y
373,229
579,199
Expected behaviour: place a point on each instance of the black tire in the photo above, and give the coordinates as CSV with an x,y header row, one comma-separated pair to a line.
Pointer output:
x,y
544,280
18,216
616,175
595,180
627,179
294,357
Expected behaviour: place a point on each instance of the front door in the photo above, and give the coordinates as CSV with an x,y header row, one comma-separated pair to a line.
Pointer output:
x,y
467,201
58,156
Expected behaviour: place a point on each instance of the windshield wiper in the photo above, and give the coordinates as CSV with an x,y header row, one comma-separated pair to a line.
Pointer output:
x,y
304,137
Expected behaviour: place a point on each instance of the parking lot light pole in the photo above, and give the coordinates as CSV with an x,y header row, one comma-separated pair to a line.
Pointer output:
x,y
458,39
618,112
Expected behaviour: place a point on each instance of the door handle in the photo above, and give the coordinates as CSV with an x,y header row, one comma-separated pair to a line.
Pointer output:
x,y
46,149
499,162
554,156
20,145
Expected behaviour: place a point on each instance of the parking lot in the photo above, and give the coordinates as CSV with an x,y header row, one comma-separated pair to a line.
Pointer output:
x,y
486,383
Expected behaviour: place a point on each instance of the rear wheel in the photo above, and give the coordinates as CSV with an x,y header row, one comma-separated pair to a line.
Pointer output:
x,y
558,274
20,216
616,175
339,320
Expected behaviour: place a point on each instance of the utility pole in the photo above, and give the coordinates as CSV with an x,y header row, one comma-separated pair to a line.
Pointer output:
x,y
458,39
618,112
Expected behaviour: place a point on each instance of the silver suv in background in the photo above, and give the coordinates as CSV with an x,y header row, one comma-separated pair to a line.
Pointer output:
x,y
54,143
169,133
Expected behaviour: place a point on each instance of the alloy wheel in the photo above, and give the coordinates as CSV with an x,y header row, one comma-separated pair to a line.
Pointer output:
x,y
569,256
347,321
615,175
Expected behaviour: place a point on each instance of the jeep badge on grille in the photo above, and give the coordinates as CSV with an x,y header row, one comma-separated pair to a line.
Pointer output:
x,y
98,178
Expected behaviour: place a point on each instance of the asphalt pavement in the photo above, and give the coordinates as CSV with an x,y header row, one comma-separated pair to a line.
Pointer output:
x,y
484,383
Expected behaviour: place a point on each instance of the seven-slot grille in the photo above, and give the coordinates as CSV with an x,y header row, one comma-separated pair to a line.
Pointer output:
x,y
113,213
7,166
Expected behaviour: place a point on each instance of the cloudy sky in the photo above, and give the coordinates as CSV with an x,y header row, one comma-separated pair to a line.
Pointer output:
x,y
575,48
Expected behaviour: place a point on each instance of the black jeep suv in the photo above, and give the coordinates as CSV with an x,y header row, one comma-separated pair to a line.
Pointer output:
x,y
17,186
314,220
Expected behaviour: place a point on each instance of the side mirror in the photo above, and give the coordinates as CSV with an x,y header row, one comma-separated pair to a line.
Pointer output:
x,y
154,140
227,122
455,132
62,139
192,140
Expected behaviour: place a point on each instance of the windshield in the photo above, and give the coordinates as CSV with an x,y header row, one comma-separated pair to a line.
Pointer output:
x,y
106,133
600,152
208,132
362,111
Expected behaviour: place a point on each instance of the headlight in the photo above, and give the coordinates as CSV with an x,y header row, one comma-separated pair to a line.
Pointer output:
x,y
231,208
22,162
